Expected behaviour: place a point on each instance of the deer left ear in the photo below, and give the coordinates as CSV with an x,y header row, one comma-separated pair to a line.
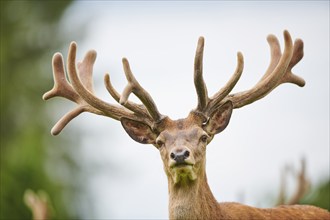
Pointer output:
x,y
138,131
219,119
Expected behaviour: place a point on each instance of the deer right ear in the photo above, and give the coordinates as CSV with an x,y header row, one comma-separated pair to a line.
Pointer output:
x,y
138,131
219,119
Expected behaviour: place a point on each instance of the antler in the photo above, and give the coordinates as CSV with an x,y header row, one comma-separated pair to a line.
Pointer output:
x,y
39,204
133,86
80,91
278,72
80,87
302,188
303,184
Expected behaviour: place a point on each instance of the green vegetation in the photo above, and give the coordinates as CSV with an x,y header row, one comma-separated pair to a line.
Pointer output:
x,y
319,196
30,33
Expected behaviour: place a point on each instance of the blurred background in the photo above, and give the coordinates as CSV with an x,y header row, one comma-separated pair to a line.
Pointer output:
x,y
93,170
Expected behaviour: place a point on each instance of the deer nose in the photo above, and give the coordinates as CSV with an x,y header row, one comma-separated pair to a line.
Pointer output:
x,y
180,155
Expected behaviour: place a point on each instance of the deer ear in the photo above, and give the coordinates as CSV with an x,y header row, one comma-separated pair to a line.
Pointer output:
x,y
138,131
219,120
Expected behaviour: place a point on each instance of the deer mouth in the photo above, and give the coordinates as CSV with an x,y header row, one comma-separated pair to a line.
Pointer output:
x,y
181,165
181,172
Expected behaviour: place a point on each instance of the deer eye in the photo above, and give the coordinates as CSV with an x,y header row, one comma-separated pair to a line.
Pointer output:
x,y
204,138
160,143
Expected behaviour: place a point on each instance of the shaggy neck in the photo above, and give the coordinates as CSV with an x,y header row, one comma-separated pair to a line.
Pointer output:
x,y
192,200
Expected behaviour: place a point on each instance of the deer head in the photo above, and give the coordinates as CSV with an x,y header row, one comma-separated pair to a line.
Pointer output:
x,y
181,143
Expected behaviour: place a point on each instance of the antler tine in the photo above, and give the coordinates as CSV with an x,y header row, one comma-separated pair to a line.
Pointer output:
x,y
61,85
206,104
223,92
63,88
298,53
107,109
278,72
60,125
200,85
303,184
276,54
139,109
133,86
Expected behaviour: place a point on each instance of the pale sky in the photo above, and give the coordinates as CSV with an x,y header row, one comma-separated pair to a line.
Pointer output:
x,y
159,39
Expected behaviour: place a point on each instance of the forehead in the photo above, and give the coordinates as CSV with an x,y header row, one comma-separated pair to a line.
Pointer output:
x,y
180,131
187,128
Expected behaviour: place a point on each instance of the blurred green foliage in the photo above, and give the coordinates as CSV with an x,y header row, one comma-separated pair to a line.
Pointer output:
x,y
319,195
30,33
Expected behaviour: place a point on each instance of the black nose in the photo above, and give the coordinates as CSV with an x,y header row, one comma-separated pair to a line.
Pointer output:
x,y
180,156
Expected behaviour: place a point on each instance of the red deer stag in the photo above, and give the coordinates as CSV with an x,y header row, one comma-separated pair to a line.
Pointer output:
x,y
182,143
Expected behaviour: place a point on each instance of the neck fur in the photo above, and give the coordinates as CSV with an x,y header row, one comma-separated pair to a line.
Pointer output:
x,y
192,200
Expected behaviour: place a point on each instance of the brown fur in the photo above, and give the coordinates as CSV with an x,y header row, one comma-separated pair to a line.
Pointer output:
x,y
196,201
